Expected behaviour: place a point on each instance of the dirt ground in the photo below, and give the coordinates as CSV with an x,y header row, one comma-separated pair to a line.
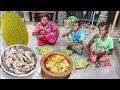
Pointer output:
x,y
109,72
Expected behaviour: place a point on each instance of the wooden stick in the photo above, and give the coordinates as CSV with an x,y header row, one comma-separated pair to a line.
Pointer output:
x,y
114,22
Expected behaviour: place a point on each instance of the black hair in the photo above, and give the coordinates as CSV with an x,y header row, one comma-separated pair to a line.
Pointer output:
x,y
102,24
44,15
76,22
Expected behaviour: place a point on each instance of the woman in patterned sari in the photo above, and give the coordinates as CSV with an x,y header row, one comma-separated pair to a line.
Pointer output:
x,y
46,31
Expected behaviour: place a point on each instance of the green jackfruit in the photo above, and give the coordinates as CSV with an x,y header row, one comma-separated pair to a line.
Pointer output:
x,y
13,29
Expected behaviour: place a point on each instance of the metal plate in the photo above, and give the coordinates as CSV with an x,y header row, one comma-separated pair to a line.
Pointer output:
x,y
13,48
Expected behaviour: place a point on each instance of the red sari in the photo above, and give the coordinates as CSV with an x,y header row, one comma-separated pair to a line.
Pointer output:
x,y
50,36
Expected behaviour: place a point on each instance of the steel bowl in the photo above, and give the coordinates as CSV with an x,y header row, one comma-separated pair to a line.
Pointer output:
x,y
13,48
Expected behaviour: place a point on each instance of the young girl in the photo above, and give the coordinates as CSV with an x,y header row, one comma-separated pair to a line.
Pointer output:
x,y
46,31
104,46
75,36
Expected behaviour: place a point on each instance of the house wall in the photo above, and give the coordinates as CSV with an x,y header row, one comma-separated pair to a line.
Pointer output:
x,y
79,15
61,16
103,17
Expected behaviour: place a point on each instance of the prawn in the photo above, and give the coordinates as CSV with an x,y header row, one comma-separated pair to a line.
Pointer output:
x,y
28,55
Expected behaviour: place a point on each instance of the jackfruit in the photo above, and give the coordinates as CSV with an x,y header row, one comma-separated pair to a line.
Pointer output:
x,y
13,29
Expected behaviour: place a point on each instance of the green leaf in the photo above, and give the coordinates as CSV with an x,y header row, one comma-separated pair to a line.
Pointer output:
x,y
39,48
79,63
68,52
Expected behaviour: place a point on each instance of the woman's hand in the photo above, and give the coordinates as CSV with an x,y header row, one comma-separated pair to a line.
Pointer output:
x,y
42,28
43,32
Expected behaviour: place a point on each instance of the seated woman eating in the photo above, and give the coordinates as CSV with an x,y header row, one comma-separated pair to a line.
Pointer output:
x,y
75,37
104,46
46,31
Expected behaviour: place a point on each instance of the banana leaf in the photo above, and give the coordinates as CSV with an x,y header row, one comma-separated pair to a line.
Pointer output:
x,y
68,52
80,63
43,50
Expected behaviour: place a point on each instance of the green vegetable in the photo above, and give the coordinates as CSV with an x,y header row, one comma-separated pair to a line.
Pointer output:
x,y
13,29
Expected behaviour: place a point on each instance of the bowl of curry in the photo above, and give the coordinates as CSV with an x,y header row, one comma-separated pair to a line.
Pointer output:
x,y
56,65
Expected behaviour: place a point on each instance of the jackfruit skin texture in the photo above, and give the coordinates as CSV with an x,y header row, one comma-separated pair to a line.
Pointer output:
x,y
13,28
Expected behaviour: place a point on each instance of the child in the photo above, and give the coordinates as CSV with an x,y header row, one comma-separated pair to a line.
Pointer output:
x,y
75,36
104,46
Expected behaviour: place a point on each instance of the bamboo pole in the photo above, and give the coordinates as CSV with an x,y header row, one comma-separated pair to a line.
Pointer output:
x,y
92,22
114,22
93,19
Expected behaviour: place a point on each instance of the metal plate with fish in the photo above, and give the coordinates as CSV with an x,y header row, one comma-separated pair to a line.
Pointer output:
x,y
19,63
